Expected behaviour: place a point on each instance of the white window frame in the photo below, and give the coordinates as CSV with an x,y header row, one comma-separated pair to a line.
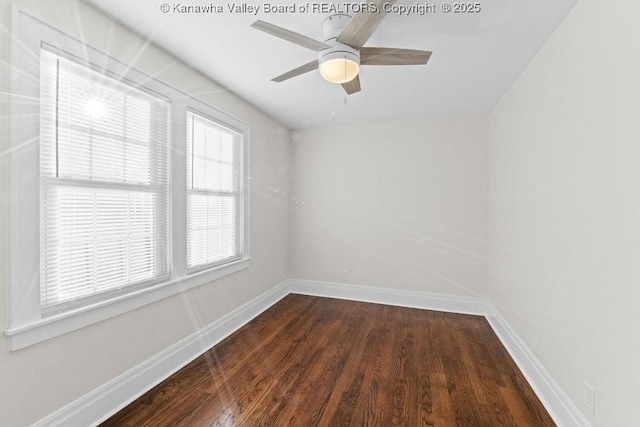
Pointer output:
x,y
236,133
27,324
158,184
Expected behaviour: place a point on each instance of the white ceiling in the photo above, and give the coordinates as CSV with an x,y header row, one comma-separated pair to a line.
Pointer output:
x,y
476,57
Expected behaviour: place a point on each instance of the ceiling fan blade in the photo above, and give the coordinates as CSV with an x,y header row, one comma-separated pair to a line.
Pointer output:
x,y
289,36
362,25
393,56
296,71
352,86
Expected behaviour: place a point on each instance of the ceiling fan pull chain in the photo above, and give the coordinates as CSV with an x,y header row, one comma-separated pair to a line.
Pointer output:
x,y
345,68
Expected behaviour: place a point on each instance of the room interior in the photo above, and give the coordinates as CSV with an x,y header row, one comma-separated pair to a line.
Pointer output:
x,y
499,179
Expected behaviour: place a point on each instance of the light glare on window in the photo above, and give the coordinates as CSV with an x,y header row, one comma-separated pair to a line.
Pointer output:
x,y
94,108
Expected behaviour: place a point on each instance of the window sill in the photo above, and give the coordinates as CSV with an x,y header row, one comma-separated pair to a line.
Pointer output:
x,y
23,336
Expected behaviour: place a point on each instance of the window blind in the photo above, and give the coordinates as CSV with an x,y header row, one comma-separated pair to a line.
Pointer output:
x,y
104,184
214,192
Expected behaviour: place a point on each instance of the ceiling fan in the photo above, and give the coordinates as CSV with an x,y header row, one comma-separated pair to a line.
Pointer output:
x,y
342,53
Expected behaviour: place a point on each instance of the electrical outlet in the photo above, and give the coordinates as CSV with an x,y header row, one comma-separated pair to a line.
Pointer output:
x,y
589,398
345,276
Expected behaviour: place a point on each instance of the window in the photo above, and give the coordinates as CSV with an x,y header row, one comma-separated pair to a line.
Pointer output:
x,y
214,192
107,211
104,183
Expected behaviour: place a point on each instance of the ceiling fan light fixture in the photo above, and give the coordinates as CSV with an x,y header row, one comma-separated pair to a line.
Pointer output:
x,y
341,64
339,70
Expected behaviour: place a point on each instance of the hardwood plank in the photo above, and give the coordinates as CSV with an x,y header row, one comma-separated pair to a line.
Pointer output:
x,y
310,361
369,410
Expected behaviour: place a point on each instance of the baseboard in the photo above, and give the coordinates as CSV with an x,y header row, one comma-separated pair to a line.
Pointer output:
x,y
106,400
402,298
557,403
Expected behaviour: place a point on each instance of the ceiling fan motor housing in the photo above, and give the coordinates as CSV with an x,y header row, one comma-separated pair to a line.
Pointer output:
x,y
333,25
348,56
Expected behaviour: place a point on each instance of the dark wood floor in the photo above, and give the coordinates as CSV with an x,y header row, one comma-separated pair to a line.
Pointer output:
x,y
310,361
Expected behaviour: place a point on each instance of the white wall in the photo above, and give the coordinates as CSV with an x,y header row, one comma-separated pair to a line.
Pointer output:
x,y
399,205
38,380
564,207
